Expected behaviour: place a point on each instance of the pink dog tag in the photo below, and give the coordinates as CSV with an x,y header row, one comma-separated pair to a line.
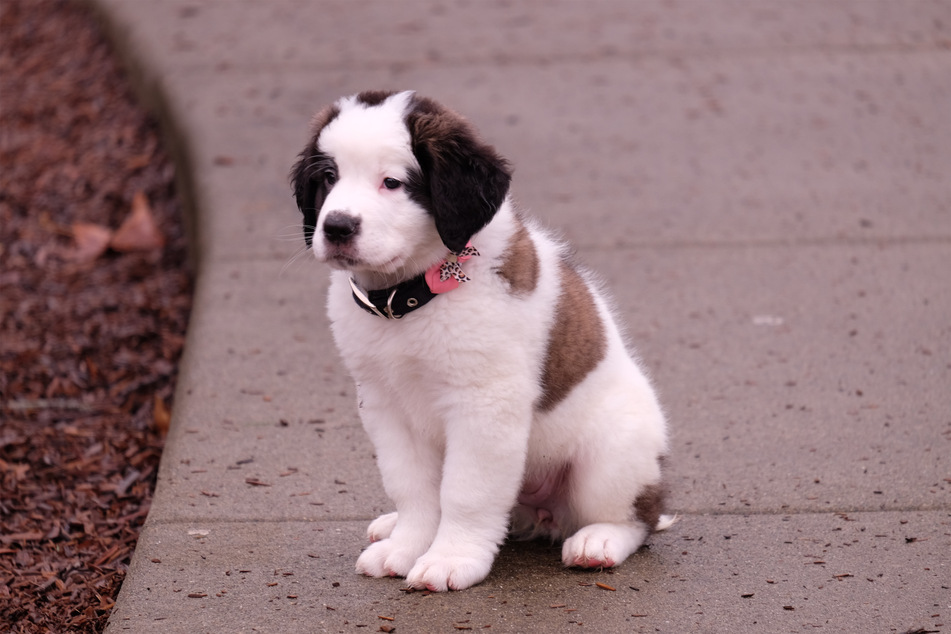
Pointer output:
x,y
447,275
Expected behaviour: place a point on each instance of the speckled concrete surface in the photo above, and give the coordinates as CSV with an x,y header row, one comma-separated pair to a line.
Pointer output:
x,y
763,187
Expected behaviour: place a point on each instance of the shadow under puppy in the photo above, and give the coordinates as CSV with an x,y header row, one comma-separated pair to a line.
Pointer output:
x,y
492,378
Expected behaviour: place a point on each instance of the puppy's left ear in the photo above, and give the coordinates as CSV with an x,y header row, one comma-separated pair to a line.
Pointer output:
x,y
308,176
305,190
464,181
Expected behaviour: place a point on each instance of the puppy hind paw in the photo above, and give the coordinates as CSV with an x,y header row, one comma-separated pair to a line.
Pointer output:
x,y
590,557
381,528
602,545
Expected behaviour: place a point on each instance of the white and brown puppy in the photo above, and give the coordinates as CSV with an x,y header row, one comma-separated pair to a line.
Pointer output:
x,y
492,378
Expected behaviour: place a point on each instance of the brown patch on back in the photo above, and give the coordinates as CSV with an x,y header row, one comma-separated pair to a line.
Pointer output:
x,y
649,505
520,263
577,342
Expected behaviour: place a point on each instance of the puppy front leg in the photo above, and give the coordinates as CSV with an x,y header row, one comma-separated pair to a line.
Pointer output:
x,y
482,473
410,468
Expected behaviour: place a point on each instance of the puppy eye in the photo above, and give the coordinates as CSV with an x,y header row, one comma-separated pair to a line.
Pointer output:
x,y
391,183
330,177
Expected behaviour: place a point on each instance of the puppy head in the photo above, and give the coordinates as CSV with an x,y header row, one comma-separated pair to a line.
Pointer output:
x,y
389,181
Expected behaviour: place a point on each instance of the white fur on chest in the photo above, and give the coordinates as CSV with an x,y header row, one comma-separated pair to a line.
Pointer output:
x,y
477,334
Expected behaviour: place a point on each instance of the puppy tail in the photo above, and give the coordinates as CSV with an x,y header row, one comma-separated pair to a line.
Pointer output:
x,y
666,521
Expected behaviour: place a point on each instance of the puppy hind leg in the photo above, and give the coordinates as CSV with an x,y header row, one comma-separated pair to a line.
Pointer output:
x,y
615,508
603,545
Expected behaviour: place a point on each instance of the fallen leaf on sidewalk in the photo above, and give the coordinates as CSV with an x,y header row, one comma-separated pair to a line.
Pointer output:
x,y
139,231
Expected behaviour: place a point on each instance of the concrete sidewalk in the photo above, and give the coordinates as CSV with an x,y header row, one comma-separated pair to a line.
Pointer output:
x,y
765,186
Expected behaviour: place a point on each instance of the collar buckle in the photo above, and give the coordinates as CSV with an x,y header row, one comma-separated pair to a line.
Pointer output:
x,y
364,302
389,306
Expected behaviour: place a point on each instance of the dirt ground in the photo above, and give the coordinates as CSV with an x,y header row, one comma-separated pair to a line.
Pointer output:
x,y
95,293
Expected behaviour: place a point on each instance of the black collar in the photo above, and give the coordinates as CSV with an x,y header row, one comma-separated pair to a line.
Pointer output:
x,y
396,301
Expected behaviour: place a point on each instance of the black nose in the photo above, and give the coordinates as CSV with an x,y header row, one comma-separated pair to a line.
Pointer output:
x,y
340,227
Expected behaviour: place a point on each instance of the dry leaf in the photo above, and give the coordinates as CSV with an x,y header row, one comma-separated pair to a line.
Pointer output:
x,y
139,231
91,241
138,161
161,417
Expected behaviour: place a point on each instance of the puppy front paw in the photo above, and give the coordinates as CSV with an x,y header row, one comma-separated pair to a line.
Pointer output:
x,y
380,528
438,572
386,558
602,545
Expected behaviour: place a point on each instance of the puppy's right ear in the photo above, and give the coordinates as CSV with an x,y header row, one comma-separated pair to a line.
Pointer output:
x,y
313,174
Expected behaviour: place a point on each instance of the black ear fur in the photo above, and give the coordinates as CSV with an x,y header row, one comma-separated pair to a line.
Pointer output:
x,y
307,177
463,181
305,191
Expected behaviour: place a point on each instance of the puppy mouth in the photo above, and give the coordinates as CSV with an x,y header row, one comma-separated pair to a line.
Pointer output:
x,y
343,262
349,261
338,256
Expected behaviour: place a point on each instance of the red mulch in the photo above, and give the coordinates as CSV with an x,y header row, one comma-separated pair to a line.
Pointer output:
x,y
88,343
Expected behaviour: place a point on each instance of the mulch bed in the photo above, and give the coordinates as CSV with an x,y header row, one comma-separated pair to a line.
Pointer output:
x,y
90,332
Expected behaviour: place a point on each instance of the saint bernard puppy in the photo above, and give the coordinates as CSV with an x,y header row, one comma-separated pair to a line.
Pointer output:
x,y
491,376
